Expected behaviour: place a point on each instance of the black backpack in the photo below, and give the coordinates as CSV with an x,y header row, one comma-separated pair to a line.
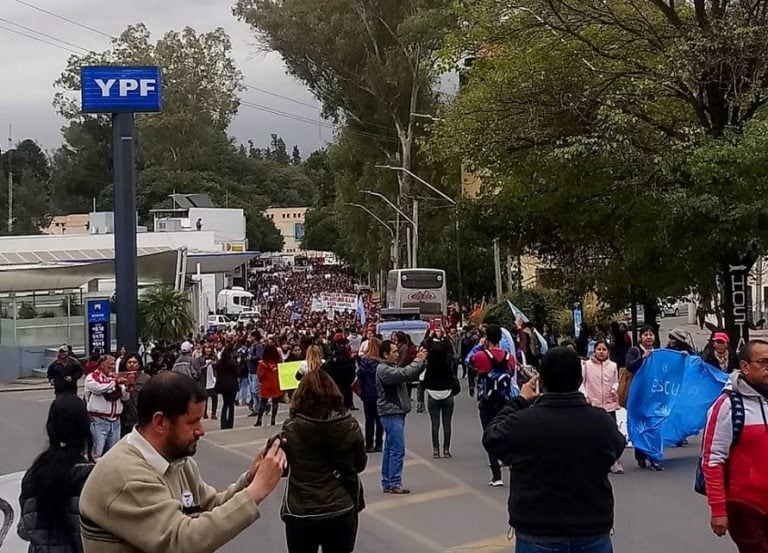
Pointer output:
x,y
496,386
738,416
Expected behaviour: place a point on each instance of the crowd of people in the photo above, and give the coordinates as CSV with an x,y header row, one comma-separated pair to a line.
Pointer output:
x,y
540,404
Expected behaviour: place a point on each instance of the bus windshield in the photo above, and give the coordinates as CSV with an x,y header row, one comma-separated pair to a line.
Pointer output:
x,y
428,280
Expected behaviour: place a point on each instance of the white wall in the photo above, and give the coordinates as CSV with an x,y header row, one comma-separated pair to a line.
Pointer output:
x,y
228,224
203,241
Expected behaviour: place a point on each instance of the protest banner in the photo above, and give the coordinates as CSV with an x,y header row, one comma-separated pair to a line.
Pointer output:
x,y
286,375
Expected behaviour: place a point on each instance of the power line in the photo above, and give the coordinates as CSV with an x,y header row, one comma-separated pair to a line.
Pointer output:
x,y
57,16
86,50
270,93
3,27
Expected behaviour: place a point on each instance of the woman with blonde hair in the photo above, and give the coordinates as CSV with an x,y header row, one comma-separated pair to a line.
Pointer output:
x,y
366,376
313,361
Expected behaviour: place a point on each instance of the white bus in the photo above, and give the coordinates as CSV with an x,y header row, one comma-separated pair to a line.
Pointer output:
x,y
422,288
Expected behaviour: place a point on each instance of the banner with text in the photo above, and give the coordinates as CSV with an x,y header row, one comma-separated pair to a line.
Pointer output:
x,y
334,302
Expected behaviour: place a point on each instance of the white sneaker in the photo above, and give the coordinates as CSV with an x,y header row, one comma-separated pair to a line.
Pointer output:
x,y
496,483
617,468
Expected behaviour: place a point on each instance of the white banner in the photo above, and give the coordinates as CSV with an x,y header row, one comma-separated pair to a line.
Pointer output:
x,y
334,302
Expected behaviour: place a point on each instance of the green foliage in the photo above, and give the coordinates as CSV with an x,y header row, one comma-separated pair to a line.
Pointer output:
x,y
47,315
72,304
622,141
164,314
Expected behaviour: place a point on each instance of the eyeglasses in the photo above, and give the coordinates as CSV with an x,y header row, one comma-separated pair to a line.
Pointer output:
x,y
762,363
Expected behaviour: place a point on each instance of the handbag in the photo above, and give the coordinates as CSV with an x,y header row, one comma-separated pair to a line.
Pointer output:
x,y
455,386
625,379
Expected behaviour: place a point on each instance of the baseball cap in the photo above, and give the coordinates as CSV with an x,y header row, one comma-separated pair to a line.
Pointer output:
x,y
722,337
64,347
186,347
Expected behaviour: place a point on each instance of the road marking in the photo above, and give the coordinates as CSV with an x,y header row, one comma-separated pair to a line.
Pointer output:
x,y
459,482
376,469
404,530
414,499
495,543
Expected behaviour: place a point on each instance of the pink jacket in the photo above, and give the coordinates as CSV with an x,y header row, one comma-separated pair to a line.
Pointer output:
x,y
601,383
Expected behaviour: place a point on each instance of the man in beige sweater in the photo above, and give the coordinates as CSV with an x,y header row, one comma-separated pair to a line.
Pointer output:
x,y
146,495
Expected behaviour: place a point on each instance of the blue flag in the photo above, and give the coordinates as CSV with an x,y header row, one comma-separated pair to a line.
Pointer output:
x,y
361,310
669,398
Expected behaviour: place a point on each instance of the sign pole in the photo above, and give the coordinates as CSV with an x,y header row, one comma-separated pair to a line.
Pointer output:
x,y
126,285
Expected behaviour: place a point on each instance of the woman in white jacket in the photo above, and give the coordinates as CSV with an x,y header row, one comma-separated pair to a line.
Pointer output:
x,y
601,385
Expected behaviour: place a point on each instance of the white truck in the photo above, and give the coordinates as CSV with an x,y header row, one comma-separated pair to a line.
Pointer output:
x,y
233,301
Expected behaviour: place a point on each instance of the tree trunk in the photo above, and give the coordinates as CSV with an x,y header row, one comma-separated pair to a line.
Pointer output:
x,y
735,273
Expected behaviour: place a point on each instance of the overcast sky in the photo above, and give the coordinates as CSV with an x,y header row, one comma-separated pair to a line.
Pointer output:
x,y
30,67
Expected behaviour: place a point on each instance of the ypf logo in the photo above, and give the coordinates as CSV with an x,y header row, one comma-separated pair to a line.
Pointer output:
x,y
422,295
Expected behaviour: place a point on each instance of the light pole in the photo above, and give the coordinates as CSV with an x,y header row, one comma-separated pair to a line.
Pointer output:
x,y
385,225
445,197
414,222
10,179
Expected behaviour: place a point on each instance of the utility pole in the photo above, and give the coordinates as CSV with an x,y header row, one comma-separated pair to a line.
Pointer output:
x,y
10,179
415,234
497,268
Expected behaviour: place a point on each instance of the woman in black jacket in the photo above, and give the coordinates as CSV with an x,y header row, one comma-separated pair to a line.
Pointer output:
x,y
50,490
326,452
438,384
227,373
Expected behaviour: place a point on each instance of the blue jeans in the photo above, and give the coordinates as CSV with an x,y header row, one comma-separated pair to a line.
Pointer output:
x,y
591,545
253,381
394,451
245,390
105,434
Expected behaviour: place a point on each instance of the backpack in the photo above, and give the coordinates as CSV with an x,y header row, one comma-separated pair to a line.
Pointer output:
x,y
496,386
737,424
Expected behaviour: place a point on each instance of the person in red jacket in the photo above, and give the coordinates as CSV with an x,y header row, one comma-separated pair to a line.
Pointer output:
x,y
269,384
739,501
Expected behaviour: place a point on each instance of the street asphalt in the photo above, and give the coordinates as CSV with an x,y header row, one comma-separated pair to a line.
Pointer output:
x,y
451,507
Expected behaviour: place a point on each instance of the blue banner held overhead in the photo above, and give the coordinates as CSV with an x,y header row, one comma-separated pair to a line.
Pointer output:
x,y
669,398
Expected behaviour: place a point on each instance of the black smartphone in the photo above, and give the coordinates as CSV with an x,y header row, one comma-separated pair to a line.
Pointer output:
x,y
270,441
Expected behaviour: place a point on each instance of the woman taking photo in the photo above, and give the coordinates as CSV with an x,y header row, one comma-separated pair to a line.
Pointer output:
x,y
269,384
601,385
366,375
50,490
438,385
636,356
227,373
325,451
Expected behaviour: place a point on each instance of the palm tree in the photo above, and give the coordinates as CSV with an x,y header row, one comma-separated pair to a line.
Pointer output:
x,y
164,314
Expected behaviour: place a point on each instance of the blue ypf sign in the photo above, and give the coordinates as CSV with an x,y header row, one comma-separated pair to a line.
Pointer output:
x,y
115,89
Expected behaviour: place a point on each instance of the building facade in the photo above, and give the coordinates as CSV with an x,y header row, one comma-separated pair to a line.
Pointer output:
x,y
290,223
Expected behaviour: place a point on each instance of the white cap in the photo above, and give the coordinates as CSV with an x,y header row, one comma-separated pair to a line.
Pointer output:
x,y
186,347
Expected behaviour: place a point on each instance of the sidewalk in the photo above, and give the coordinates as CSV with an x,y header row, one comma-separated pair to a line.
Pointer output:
x,y
25,385
699,336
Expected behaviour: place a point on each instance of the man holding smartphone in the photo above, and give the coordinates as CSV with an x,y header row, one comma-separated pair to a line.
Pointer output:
x,y
394,403
146,493
556,503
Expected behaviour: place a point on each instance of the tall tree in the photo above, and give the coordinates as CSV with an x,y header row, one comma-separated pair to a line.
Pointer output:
x,y
371,62
598,111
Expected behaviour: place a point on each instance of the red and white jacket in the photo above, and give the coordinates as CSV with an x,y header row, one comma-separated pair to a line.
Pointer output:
x,y
601,384
96,385
739,474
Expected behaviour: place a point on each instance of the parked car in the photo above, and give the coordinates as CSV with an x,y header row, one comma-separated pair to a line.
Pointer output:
x,y
246,316
219,322
674,307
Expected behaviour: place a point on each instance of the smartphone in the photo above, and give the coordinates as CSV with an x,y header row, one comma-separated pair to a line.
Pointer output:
x,y
270,441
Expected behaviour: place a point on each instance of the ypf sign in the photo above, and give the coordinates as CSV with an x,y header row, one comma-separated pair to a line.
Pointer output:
x,y
122,91
115,89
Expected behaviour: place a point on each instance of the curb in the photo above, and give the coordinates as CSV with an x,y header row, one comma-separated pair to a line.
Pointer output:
x,y
24,388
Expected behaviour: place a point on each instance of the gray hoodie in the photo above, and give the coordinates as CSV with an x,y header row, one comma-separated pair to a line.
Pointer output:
x,y
392,387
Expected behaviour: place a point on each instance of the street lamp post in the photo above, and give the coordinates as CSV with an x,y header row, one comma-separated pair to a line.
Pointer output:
x,y
378,219
413,221
445,197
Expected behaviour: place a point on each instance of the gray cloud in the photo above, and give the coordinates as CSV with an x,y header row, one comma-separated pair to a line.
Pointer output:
x,y
30,67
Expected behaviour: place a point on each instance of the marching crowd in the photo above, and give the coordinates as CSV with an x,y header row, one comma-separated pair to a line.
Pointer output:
x,y
541,406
